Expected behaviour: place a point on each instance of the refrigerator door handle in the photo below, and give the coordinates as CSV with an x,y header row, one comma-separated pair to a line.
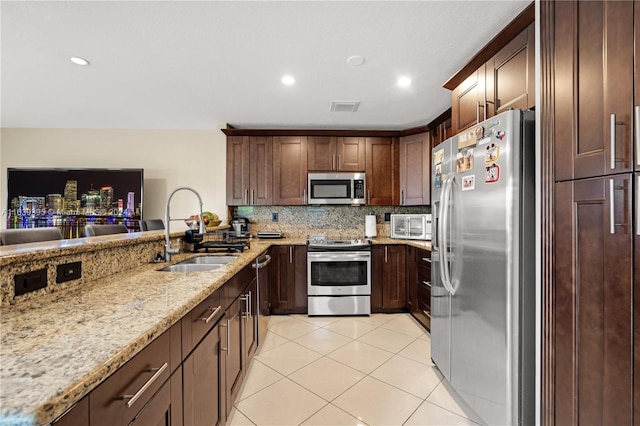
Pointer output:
x,y
444,224
637,114
638,205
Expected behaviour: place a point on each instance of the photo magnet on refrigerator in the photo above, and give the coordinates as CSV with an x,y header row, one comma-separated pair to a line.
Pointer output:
x,y
492,173
469,183
492,153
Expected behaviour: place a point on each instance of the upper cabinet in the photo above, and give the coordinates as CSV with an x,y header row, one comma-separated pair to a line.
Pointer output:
x,y
415,169
289,170
382,171
594,74
331,153
249,173
499,77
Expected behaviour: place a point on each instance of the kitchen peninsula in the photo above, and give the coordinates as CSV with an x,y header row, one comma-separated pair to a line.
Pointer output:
x,y
58,347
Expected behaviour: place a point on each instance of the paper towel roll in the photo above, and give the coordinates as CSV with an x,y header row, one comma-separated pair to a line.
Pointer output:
x,y
370,226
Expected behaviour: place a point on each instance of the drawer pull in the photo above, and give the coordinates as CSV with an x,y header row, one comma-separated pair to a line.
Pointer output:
x,y
427,283
427,313
213,314
228,338
131,399
426,260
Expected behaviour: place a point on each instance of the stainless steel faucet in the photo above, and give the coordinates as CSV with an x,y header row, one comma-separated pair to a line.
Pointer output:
x,y
168,251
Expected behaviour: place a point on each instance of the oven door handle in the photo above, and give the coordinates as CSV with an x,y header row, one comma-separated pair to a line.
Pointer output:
x,y
338,256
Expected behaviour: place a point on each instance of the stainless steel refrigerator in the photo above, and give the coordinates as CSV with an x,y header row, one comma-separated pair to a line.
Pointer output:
x,y
483,266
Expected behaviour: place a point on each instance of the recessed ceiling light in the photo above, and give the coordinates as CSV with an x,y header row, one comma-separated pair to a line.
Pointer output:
x,y
404,82
355,60
79,61
288,80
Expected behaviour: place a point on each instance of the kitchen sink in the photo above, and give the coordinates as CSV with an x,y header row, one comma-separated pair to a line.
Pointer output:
x,y
208,260
190,267
199,264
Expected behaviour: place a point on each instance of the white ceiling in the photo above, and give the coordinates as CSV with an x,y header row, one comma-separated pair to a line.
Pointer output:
x,y
197,64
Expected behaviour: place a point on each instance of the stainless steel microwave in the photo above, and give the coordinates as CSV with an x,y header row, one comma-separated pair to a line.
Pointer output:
x,y
337,188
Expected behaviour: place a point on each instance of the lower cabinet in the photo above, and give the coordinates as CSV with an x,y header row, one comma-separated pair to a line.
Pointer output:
x,y
165,407
201,382
419,285
288,280
76,415
232,354
388,278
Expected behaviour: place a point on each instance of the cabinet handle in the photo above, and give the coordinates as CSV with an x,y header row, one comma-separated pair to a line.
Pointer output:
x,y
249,305
228,338
213,314
131,399
402,197
427,313
304,196
612,207
613,125
333,162
368,197
243,298
427,283
253,198
245,199
426,259
637,113
290,254
386,253
339,162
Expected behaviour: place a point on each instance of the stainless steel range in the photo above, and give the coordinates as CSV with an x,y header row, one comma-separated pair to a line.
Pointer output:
x,y
339,276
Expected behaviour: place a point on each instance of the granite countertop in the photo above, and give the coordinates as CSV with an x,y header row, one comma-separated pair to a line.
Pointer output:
x,y
57,348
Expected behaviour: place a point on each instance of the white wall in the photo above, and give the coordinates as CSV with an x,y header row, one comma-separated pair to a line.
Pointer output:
x,y
170,158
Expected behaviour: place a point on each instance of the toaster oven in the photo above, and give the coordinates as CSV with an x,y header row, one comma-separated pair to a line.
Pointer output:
x,y
411,226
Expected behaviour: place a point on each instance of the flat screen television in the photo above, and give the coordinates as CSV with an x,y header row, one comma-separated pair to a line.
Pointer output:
x,y
72,198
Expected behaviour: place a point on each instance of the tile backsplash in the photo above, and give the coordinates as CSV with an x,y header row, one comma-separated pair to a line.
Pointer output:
x,y
332,221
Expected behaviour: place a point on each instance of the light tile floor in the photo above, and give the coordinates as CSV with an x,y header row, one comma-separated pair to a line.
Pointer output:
x,y
331,371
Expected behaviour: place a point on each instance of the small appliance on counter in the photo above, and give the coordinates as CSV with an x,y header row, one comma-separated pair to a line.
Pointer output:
x,y
240,226
411,226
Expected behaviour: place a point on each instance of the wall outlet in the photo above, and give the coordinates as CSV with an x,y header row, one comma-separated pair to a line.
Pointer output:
x,y
274,217
68,272
387,217
30,281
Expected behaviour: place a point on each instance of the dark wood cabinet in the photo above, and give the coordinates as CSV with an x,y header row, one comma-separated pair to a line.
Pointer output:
x,y
75,416
288,279
250,326
593,298
510,76
419,285
249,170
382,163
467,102
594,88
415,170
231,341
441,132
290,170
165,408
506,80
331,153
388,278
203,404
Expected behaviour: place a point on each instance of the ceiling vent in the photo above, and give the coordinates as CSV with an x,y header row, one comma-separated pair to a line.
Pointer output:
x,y
344,106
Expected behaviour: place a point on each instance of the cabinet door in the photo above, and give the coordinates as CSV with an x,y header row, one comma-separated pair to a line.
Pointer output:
x,y
76,415
261,160
290,170
467,102
593,305
321,155
232,353
202,399
415,170
238,173
594,88
350,154
382,171
250,324
388,287
165,407
510,75
288,279
423,284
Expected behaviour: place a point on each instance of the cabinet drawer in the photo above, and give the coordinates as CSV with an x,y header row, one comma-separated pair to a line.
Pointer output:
x,y
139,379
197,323
424,298
423,257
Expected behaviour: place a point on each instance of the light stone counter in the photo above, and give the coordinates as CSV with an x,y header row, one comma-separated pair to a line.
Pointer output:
x,y
56,348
